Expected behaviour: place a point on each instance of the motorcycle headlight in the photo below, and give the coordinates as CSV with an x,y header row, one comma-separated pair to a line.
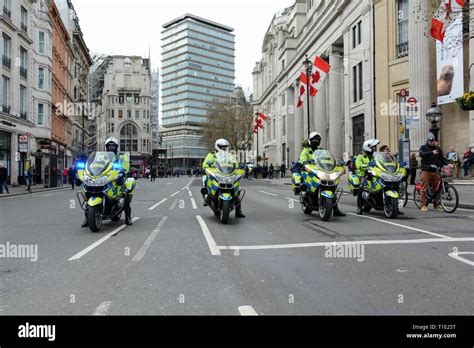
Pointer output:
x,y
223,179
102,181
391,178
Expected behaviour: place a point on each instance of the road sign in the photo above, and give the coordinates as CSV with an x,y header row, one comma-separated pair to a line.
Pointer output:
x,y
412,101
403,93
23,139
412,113
28,134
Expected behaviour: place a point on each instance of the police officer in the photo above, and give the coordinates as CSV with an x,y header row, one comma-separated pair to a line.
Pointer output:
x,y
362,162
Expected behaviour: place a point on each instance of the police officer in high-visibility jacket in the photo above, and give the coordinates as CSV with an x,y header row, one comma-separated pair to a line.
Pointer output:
x,y
306,157
362,162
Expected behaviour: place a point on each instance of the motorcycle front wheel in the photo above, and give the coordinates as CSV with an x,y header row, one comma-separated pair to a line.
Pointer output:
x,y
304,206
391,207
226,205
94,217
325,208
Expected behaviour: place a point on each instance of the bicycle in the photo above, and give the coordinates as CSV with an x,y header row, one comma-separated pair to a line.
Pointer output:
x,y
449,195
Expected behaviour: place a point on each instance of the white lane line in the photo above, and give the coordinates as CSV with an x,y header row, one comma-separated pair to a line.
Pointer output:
x,y
100,241
169,183
157,204
456,256
187,188
402,226
268,193
361,242
103,308
174,204
139,255
184,188
190,193
193,202
207,234
292,199
247,310
190,181
174,194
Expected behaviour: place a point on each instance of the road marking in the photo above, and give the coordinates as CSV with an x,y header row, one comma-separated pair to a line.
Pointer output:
x,y
193,202
190,193
190,181
174,194
292,199
456,256
207,234
169,183
247,310
174,204
139,255
402,226
187,188
157,204
100,241
103,308
268,193
184,188
362,242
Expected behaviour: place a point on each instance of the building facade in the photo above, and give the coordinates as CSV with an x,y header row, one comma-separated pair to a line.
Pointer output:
x,y
125,104
340,32
154,108
197,70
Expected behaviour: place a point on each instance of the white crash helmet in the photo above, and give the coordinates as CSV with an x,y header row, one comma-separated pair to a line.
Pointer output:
x,y
112,140
222,145
368,144
314,135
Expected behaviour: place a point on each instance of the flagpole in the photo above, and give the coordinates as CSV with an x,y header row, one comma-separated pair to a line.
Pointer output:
x,y
256,115
309,67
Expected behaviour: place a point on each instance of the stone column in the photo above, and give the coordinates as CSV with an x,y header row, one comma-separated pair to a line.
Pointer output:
x,y
290,122
420,71
298,122
318,121
335,140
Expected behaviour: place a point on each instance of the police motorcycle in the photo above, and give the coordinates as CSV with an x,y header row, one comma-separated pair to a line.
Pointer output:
x,y
382,189
223,185
318,184
104,188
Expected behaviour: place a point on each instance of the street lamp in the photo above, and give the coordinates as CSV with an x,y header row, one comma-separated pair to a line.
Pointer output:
x,y
287,157
308,65
434,115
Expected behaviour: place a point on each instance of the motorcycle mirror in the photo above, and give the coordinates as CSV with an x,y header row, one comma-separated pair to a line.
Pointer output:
x,y
403,164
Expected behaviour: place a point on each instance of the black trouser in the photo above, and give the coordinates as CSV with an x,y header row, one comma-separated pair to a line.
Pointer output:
x,y
412,176
359,193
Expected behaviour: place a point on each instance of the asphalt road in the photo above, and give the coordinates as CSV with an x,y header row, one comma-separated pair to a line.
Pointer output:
x,y
178,259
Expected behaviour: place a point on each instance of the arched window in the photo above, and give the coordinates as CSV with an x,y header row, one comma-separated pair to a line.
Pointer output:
x,y
129,138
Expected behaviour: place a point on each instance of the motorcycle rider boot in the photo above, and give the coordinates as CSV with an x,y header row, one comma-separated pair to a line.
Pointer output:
x,y
338,212
205,197
359,203
238,210
86,221
128,212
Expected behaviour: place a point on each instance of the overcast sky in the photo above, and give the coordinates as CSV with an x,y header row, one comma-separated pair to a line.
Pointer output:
x,y
130,27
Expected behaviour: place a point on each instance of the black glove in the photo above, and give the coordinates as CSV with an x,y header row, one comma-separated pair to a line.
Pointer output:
x,y
120,179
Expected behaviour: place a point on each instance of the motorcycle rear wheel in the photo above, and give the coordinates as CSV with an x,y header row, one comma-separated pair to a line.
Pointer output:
x,y
94,217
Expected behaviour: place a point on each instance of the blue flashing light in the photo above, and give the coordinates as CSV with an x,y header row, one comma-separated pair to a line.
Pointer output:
x,y
117,166
80,165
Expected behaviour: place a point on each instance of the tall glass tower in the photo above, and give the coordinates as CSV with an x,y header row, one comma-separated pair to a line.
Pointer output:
x,y
197,70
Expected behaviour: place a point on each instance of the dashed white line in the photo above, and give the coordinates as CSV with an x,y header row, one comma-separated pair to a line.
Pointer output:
x,y
100,241
193,202
157,204
190,193
174,204
268,193
247,310
361,242
103,308
139,255
207,234
402,226
292,199
174,194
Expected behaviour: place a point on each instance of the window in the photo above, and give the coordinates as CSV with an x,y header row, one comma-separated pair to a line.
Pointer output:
x,y
7,44
402,15
22,101
121,98
137,114
283,99
5,94
24,19
357,34
129,113
283,125
144,113
40,114
41,78
41,42
112,127
137,98
23,63
112,113
6,8
357,82
120,114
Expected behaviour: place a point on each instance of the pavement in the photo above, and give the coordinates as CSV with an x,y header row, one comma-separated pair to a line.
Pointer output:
x,y
22,189
178,259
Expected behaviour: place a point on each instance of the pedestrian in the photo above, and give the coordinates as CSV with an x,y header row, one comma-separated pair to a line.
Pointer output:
x,y
431,160
453,158
65,175
153,174
271,169
29,178
3,178
468,161
283,170
72,176
413,168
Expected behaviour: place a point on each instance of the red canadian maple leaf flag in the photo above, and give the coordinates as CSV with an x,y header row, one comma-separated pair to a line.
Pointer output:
x,y
447,12
262,116
303,82
318,74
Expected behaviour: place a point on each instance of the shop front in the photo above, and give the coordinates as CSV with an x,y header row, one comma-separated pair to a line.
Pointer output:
x,y
5,152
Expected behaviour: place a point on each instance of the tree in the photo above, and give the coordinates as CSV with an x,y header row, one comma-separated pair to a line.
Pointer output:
x,y
232,121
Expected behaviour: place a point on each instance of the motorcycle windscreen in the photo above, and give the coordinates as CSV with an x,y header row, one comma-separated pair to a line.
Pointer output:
x,y
324,160
98,162
226,162
386,161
